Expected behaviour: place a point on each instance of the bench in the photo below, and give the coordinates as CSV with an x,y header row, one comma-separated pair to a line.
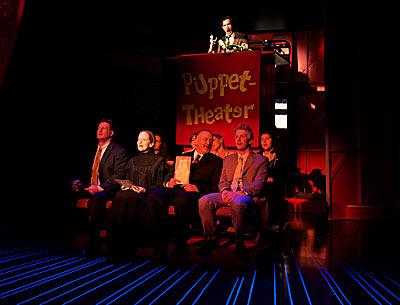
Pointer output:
x,y
83,204
221,213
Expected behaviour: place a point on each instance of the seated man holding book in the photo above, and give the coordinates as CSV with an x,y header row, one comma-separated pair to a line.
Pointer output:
x,y
202,175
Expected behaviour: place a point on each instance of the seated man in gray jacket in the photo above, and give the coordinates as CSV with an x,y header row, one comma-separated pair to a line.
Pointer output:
x,y
242,178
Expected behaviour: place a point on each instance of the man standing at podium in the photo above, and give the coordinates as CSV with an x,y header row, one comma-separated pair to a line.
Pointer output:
x,y
231,38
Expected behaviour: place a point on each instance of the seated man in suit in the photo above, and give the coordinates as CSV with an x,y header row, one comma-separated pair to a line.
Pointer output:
x,y
242,178
205,170
109,163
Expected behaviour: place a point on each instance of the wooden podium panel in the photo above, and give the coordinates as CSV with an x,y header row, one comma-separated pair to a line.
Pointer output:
x,y
217,92
220,91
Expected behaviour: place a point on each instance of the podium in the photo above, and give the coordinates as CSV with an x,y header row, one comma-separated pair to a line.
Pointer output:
x,y
220,91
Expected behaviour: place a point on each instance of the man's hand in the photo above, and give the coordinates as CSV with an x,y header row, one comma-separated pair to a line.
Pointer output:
x,y
227,196
138,189
76,185
190,188
171,183
93,189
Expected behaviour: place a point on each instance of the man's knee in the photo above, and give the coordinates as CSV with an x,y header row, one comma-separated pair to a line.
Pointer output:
x,y
158,197
240,203
203,203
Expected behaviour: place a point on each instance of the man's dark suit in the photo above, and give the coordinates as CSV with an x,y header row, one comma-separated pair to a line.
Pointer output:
x,y
239,39
112,166
205,175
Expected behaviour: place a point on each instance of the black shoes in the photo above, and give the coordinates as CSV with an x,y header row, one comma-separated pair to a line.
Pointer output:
x,y
161,251
181,251
94,248
242,252
206,249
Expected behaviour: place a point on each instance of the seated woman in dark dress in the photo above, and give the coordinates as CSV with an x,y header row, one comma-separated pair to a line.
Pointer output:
x,y
275,183
146,170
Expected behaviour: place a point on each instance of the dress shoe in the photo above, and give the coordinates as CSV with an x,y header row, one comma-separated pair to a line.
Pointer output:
x,y
93,248
161,251
206,249
181,251
241,252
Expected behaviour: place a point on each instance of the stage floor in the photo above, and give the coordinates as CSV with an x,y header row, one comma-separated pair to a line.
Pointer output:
x,y
315,261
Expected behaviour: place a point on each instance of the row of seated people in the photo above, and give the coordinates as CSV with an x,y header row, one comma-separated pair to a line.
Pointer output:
x,y
141,208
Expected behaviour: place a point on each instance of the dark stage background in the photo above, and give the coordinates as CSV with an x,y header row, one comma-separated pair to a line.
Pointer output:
x,y
75,62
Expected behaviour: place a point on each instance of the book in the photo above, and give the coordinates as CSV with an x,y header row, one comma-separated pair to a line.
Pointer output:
x,y
182,169
125,183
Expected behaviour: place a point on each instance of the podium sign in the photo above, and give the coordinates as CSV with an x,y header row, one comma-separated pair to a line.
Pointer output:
x,y
218,92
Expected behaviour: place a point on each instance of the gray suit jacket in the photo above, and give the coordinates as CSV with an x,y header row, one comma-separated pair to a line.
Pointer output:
x,y
253,176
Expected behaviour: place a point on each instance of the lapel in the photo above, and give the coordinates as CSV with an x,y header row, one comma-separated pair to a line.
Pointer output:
x,y
189,154
106,155
249,162
205,157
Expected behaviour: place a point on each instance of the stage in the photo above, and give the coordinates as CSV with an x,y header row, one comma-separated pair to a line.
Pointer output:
x,y
313,261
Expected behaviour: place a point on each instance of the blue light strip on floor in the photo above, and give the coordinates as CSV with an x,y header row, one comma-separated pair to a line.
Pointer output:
x,y
29,264
66,263
173,284
66,284
330,286
335,283
380,284
205,287
232,290
191,288
158,286
368,284
302,279
48,279
238,290
274,284
105,283
389,279
26,248
251,287
288,284
15,249
16,242
46,268
361,285
146,277
13,258
6,250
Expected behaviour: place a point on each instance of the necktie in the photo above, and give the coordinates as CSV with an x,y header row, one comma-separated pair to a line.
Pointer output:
x,y
237,176
197,159
95,168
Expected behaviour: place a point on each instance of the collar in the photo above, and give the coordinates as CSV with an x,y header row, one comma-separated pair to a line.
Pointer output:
x,y
103,147
245,156
195,155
